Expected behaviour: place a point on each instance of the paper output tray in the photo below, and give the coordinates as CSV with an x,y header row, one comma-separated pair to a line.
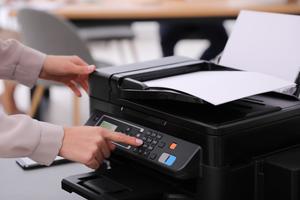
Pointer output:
x,y
119,183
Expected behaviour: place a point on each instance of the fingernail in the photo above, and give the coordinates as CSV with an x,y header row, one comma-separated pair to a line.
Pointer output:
x,y
138,141
91,68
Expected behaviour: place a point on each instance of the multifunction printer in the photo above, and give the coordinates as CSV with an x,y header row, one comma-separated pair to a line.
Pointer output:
x,y
246,149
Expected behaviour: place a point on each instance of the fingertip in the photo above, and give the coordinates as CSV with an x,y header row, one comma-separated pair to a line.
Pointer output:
x,y
77,92
139,142
91,68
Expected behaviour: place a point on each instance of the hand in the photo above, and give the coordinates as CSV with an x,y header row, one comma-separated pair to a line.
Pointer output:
x,y
69,70
91,145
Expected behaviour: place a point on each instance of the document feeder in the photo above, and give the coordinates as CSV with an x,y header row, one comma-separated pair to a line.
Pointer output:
x,y
192,149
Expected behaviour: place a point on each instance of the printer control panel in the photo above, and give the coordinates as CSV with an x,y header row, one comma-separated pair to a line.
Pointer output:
x,y
160,149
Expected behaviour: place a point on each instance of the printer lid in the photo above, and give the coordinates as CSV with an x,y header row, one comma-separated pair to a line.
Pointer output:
x,y
189,80
127,84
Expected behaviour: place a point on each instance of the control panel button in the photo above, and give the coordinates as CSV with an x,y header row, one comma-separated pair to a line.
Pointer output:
x,y
135,150
163,157
158,136
167,159
146,154
161,144
153,156
149,140
150,148
153,134
128,129
140,151
170,161
173,146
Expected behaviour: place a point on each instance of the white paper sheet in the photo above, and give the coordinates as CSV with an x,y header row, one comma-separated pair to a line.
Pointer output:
x,y
218,87
265,42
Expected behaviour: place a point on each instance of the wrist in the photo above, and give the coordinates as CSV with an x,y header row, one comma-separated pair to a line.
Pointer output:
x,y
43,73
62,152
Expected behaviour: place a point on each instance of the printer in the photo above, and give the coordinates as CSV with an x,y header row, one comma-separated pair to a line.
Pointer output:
x,y
245,149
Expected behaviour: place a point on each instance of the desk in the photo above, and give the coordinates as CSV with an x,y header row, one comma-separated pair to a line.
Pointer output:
x,y
41,183
166,10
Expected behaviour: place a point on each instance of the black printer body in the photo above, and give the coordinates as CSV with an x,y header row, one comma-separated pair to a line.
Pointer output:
x,y
245,149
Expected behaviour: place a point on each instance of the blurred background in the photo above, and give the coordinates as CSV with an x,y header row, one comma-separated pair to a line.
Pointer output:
x,y
165,28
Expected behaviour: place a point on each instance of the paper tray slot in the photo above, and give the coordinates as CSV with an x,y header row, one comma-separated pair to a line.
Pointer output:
x,y
160,94
103,185
118,183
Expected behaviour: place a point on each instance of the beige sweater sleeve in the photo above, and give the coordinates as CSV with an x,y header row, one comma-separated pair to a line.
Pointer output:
x,y
19,134
20,63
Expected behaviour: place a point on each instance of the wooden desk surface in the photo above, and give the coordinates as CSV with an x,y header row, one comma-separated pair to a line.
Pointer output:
x,y
167,9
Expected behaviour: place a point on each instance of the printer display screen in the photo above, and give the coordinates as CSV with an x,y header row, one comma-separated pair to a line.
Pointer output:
x,y
108,126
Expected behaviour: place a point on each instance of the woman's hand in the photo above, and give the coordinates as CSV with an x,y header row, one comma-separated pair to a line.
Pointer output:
x,y
69,70
91,145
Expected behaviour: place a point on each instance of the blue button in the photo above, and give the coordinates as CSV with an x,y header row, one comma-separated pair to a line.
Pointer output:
x,y
170,161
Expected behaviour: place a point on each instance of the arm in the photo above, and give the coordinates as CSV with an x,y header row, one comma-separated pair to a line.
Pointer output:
x,y
20,135
23,136
20,63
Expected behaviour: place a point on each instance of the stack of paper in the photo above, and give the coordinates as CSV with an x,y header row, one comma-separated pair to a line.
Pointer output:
x,y
265,42
218,87
265,46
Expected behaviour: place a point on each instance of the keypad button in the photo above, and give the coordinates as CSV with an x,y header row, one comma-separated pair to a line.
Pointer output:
x,y
138,135
153,135
171,160
150,148
159,136
145,154
154,142
141,151
148,133
161,144
144,138
173,146
135,150
149,140
145,146
153,156
163,157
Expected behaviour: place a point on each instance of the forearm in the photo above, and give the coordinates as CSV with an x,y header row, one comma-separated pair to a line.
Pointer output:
x,y
20,63
22,136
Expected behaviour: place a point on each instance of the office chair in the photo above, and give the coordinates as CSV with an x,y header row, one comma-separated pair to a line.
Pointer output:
x,y
121,33
52,35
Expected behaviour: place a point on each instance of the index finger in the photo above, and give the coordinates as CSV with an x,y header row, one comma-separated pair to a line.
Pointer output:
x,y
122,138
79,61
